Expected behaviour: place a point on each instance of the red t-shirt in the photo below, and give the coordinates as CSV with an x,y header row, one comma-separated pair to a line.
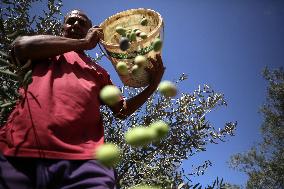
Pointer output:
x,y
59,116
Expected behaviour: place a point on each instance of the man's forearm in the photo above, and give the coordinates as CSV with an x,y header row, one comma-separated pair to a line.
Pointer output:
x,y
132,104
45,46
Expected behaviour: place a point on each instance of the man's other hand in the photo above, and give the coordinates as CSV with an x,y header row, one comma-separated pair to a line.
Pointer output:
x,y
156,72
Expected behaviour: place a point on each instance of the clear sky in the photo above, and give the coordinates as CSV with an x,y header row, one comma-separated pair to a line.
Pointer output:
x,y
223,43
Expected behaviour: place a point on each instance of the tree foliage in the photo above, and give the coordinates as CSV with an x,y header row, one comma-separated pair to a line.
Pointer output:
x,y
16,20
156,164
264,163
190,132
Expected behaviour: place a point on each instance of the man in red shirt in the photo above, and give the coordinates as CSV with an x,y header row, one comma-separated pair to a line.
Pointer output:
x,y
50,137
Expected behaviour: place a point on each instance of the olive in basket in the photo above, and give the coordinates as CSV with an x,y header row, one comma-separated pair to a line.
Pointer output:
x,y
124,43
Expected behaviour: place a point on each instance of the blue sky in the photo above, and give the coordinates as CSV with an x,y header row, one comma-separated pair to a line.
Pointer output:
x,y
223,43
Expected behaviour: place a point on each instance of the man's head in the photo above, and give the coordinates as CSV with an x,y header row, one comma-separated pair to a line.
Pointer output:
x,y
76,24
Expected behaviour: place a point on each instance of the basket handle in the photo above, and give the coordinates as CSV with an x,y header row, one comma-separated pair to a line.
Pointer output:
x,y
104,52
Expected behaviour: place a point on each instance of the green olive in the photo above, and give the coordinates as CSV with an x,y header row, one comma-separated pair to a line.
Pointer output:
x,y
143,35
108,154
140,136
140,60
157,44
144,21
120,30
132,36
160,127
136,70
167,88
122,69
110,95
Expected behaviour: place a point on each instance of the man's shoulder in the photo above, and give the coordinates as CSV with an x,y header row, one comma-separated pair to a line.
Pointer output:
x,y
89,60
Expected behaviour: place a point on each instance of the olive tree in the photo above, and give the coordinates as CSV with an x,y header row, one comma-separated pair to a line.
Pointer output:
x,y
156,164
16,20
264,163
160,162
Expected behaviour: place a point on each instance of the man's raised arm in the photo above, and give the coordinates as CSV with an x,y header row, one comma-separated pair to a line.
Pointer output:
x,y
131,105
45,46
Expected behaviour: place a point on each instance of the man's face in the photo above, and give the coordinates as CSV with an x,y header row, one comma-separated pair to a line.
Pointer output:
x,y
76,25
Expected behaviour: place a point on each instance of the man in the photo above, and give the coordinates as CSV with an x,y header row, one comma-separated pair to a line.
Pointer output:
x,y
50,137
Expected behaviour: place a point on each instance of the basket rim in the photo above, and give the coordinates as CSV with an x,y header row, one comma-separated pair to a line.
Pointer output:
x,y
136,43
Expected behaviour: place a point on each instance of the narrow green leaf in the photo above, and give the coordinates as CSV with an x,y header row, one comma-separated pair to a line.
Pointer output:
x,y
4,67
180,185
8,104
27,64
196,185
6,62
7,72
27,76
4,54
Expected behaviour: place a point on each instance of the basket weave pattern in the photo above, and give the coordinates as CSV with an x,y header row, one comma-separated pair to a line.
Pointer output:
x,y
130,19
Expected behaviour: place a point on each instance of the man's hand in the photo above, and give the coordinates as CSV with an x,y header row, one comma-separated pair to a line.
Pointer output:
x,y
155,75
156,72
93,36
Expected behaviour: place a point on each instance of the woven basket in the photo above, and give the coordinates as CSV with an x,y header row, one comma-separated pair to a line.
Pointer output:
x,y
130,19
